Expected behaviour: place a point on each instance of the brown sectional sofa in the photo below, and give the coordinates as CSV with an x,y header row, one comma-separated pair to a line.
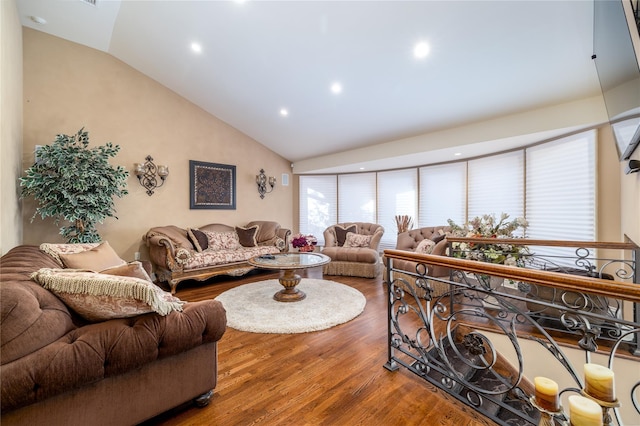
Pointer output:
x,y
57,369
409,240
175,258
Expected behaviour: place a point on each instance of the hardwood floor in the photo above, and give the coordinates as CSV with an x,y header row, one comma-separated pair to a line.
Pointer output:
x,y
330,377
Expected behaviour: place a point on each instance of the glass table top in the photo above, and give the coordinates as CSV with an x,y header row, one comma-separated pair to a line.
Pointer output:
x,y
290,260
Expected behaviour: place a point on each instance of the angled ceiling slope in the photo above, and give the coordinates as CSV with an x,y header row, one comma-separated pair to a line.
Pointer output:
x,y
487,59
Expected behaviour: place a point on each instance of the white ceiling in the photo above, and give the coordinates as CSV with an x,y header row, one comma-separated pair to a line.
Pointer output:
x,y
487,59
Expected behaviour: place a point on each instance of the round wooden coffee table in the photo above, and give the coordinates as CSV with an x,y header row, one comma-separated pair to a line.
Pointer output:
x,y
288,263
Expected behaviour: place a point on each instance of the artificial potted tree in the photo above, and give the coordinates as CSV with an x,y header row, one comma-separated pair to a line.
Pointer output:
x,y
72,182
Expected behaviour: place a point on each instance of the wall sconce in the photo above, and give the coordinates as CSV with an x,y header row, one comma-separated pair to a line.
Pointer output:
x,y
147,173
262,181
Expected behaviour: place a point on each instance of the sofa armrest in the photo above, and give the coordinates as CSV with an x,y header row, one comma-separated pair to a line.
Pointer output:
x,y
167,252
90,353
375,238
284,234
329,237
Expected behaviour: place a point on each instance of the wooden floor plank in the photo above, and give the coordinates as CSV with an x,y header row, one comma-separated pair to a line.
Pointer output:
x,y
329,377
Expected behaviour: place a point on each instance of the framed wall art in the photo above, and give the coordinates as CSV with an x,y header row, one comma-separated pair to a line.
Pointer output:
x,y
212,186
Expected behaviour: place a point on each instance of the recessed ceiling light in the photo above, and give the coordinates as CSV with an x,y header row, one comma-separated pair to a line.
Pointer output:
x,y
336,88
38,20
284,112
457,154
361,168
421,50
196,47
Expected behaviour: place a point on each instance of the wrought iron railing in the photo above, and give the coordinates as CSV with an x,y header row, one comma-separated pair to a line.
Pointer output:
x,y
496,327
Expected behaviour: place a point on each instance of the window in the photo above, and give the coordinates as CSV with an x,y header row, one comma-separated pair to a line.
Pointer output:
x,y
559,201
496,185
357,198
443,191
318,205
397,195
561,191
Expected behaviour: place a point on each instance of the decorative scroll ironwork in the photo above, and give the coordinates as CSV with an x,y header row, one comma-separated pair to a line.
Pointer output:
x,y
147,173
469,341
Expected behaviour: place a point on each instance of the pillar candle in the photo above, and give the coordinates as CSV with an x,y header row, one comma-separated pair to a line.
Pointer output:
x,y
584,411
546,393
599,382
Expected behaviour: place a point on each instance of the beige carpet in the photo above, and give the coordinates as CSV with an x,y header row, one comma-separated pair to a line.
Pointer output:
x,y
251,307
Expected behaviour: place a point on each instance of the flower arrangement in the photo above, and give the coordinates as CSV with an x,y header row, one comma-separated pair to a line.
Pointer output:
x,y
488,226
304,243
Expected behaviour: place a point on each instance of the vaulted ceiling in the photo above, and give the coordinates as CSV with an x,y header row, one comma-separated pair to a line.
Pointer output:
x,y
486,59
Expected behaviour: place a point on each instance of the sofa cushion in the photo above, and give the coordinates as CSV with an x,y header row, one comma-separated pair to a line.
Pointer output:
x,y
425,246
55,250
95,259
198,238
99,297
31,318
222,240
352,254
357,240
217,257
341,233
247,236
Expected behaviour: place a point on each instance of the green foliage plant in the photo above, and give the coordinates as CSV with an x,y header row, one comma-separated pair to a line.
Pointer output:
x,y
75,183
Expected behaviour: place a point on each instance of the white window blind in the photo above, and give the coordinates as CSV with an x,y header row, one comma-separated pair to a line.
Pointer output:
x,y
561,191
318,204
397,195
443,191
496,185
357,198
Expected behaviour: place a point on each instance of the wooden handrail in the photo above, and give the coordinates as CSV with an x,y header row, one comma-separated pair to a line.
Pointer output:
x,y
548,243
597,286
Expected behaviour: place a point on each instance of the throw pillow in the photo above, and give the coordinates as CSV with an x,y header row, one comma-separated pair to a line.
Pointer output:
x,y
100,297
55,250
247,236
198,238
357,240
132,269
222,240
425,246
341,233
96,259
280,244
439,238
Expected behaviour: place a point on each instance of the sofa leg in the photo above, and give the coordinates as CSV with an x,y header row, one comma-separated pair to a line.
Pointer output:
x,y
173,284
203,400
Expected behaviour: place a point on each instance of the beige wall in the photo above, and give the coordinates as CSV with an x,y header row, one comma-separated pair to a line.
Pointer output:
x,y
630,197
608,216
68,86
10,124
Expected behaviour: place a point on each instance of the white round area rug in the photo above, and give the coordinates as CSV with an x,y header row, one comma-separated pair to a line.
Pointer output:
x,y
251,307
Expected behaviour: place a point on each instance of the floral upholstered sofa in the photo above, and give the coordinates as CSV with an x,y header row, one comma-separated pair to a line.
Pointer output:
x,y
179,254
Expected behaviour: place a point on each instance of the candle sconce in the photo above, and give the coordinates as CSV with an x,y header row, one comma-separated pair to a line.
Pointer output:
x,y
147,172
262,180
547,417
605,405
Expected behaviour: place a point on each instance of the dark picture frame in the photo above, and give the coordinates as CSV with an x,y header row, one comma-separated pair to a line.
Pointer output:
x,y
212,186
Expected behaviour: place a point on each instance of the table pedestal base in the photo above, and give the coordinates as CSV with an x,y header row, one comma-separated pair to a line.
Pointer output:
x,y
289,281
